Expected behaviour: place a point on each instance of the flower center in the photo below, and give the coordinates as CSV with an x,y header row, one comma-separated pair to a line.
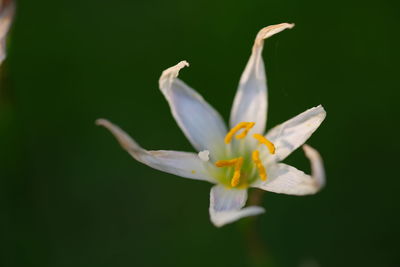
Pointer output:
x,y
241,177
237,164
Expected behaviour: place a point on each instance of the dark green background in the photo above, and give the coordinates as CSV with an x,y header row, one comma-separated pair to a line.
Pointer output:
x,y
70,196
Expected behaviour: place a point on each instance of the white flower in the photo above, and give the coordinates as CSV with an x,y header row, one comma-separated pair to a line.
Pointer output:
x,y
242,157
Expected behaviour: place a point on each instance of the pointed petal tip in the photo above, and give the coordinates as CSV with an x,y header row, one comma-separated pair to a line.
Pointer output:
x,y
224,218
271,30
102,122
320,106
322,111
122,137
106,124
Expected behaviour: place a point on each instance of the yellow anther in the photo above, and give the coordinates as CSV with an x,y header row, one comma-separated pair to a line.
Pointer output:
x,y
246,130
261,170
226,163
265,142
237,163
236,175
242,125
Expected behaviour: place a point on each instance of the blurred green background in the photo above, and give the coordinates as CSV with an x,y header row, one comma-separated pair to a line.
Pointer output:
x,y
70,196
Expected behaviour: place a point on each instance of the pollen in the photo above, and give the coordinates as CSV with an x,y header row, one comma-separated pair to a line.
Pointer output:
x,y
259,165
242,125
266,142
237,164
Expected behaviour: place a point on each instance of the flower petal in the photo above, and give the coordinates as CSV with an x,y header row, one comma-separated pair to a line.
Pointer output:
x,y
291,134
201,124
226,205
7,10
317,165
183,164
250,104
285,179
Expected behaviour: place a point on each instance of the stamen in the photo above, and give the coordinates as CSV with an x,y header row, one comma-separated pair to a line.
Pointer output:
x,y
259,165
242,125
226,163
236,175
237,163
265,142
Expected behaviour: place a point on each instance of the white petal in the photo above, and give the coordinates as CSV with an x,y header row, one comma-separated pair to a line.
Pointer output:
x,y
226,205
250,104
286,179
183,164
201,124
291,134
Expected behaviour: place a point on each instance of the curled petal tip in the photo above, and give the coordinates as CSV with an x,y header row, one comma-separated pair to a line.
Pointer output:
x,y
183,63
308,150
317,166
267,32
172,72
179,66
